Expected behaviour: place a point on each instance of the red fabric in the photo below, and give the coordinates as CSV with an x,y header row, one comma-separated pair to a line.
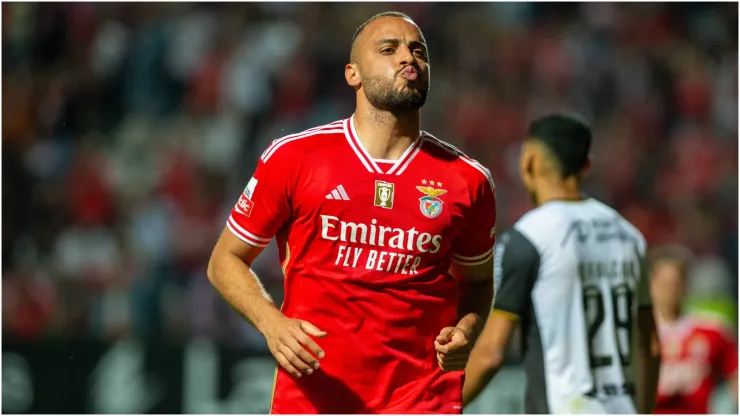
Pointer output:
x,y
696,353
381,292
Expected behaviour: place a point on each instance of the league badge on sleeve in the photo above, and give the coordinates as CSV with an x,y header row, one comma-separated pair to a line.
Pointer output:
x,y
430,204
249,190
245,204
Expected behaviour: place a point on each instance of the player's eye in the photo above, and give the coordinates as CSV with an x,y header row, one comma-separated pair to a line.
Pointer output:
x,y
421,53
386,51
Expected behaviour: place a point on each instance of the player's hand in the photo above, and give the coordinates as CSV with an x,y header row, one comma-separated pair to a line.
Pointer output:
x,y
290,343
453,349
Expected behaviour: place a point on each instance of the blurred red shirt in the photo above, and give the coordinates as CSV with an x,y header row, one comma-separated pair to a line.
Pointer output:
x,y
697,353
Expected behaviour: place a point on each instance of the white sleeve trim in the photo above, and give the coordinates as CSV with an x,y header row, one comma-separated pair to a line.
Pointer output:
x,y
245,235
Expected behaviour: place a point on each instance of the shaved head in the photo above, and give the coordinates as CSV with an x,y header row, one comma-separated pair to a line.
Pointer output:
x,y
353,55
389,66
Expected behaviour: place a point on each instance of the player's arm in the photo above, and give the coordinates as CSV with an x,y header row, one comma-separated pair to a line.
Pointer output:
x,y
648,348
229,270
472,258
472,267
476,296
453,344
516,264
230,273
262,209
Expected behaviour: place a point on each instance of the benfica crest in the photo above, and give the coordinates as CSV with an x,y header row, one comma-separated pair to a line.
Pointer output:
x,y
430,204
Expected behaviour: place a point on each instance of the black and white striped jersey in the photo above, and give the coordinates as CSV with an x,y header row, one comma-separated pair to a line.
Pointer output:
x,y
573,273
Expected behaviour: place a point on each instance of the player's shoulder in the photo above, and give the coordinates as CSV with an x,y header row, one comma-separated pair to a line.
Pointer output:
x,y
622,223
513,239
472,171
541,224
600,207
548,223
315,138
546,217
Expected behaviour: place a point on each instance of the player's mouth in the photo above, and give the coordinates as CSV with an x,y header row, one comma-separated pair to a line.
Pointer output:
x,y
410,73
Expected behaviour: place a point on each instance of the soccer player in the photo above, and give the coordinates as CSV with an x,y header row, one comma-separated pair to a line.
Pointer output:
x,y
570,273
697,351
386,238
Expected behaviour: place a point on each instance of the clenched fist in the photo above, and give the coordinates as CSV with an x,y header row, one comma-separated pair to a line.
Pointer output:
x,y
453,349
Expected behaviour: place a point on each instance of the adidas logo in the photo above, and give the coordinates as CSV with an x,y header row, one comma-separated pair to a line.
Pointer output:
x,y
338,193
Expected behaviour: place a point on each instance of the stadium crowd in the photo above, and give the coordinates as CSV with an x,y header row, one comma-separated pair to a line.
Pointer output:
x,y
130,129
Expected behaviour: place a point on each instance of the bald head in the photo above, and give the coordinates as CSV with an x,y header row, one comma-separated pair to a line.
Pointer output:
x,y
389,67
353,51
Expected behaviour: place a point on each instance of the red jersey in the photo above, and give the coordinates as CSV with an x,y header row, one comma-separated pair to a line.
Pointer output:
x,y
696,354
366,246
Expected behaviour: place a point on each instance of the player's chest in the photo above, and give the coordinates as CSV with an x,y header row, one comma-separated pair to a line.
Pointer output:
x,y
686,346
425,202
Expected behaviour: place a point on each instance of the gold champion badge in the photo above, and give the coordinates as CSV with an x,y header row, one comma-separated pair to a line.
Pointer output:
x,y
383,194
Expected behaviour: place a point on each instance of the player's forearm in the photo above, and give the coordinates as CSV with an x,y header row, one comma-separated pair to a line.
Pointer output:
x,y
242,289
481,368
648,371
473,307
648,361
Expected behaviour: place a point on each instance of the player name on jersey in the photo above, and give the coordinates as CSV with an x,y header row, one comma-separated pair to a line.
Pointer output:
x,y
595,270
410,241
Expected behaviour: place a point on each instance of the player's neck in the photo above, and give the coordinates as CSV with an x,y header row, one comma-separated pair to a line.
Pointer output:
x,y
669,315
558,190
386,135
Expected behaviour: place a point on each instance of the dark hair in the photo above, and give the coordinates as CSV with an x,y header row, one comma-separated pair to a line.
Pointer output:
x,y
370,20
568,137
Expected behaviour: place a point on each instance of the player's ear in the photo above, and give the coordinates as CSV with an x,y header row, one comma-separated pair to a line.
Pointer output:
x,y
352,75
525,164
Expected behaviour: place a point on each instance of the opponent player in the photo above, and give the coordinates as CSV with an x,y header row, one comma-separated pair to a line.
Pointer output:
x,y
386,240
697,351
570,272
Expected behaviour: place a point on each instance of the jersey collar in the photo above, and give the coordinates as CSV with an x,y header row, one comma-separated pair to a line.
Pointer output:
x,y
398,166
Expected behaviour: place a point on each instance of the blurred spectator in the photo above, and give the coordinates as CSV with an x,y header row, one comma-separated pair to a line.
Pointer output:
x,y
699,350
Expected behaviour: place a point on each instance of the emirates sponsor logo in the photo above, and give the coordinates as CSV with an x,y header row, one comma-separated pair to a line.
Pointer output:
x,y
409,245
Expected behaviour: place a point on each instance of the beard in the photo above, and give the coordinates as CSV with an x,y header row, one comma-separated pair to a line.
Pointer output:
x,y
382,95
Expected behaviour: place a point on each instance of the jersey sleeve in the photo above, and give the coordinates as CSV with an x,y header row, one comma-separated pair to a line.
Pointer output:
x,y
728,357
264,205
516,266
643,284
474,245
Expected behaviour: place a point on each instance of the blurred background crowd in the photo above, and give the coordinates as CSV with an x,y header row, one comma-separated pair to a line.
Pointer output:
x,y
129,130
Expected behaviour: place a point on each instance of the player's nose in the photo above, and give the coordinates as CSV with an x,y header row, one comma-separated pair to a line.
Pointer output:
x,y
406,56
